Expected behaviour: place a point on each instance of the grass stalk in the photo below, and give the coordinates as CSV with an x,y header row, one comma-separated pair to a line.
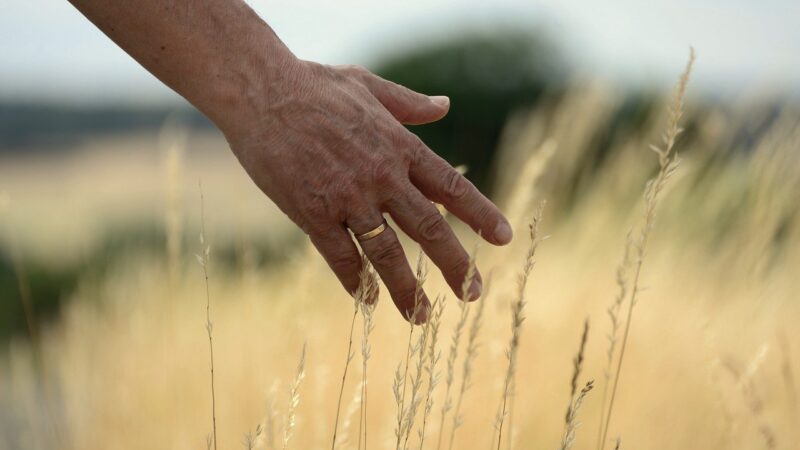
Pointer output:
x,y
294,399
577,366
401,381
203,258
613,312
270,420
571,423
452,355
349,358
251,438
417,381
366,297
576,398
668,162
517,318
471,350
355,406
434,355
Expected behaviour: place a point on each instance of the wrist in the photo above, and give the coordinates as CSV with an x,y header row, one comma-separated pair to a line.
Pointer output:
x,y
260,75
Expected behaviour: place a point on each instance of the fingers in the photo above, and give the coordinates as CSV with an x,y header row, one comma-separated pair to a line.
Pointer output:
x,y
407,106
389,260
440,182
341,254
421,220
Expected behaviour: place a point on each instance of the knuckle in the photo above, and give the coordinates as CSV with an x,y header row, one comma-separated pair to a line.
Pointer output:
x,y
402,114
311,225
346,191
387,254
403,92
433,227
384,172
345,263
301,219
406,296
417,151
359,69
355,70
312,218
460,267
486,216
313,209
455,186
357,210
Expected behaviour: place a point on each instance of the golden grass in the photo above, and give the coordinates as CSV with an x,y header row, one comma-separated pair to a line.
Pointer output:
x,y
709,364
668,162
365,297
203,258
517,317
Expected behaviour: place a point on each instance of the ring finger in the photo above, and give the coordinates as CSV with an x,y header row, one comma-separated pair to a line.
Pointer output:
x,y
389,259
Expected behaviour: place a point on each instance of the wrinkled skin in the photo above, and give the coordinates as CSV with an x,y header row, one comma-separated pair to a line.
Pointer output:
x,y
326,144
330,150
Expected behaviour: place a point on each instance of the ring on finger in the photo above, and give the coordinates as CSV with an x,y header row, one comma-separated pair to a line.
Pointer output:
x,y
375,232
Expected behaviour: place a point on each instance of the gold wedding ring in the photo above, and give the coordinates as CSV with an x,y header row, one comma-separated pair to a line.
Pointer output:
x,y
372,233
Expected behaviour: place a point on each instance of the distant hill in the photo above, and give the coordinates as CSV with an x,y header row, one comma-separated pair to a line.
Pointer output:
x,y
45,127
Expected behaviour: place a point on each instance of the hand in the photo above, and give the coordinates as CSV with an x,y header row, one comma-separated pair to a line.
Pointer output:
x,y
327,145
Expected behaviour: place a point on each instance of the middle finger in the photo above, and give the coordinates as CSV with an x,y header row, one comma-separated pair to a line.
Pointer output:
x,y
421,220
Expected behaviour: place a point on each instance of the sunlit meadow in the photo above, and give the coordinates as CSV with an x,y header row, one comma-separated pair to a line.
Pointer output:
x,y
710,358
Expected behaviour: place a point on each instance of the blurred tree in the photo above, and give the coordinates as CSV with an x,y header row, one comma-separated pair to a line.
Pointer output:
x,y
486,77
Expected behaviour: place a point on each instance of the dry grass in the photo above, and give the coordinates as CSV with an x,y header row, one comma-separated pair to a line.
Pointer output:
x,y
294,400
668,162
517,317
471,350
709,362
350,356
203,258
434,354
571,424
365,297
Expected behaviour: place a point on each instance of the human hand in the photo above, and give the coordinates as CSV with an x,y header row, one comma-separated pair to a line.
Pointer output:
x,y
327,145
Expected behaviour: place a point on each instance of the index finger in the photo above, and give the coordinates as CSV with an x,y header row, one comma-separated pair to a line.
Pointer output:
x,y
440,182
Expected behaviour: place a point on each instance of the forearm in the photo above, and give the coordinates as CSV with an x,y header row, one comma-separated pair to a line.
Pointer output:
x,y
218,54
325,143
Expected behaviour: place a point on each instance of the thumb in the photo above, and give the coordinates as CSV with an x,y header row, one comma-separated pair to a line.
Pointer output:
x,y
407,106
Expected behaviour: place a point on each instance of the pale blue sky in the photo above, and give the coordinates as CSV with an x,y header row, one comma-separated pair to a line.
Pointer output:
x,y
49,51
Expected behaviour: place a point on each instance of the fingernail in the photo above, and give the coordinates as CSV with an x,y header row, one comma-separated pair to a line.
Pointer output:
x,y
475,290
440,100
503,233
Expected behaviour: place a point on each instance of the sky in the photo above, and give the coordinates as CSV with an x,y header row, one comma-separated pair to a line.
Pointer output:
x,y
48,51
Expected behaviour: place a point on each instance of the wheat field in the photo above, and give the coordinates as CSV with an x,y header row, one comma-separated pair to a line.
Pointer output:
x,y
710,359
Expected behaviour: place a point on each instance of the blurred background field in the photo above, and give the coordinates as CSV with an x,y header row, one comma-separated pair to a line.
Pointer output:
x,y
102,303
